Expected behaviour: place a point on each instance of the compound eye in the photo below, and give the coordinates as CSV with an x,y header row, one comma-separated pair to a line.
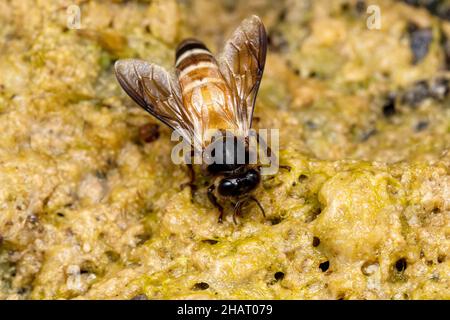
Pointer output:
x,y
227,187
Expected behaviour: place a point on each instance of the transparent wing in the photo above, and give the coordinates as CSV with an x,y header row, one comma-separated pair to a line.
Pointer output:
x,y
156,91
242,64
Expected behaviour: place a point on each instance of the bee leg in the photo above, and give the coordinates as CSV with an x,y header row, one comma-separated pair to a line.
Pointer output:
x,y
237,209
212,198
259,205
262,141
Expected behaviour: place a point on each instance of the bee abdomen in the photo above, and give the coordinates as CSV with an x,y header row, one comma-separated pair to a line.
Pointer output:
x,y
196,65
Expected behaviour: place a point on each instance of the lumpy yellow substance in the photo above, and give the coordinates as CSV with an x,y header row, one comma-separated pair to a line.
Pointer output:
x,y
90,211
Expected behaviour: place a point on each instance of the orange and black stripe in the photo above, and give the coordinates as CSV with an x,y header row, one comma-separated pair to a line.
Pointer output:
x,y
188,45
195,65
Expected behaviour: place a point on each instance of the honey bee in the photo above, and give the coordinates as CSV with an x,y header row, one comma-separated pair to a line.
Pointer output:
x,y
206,94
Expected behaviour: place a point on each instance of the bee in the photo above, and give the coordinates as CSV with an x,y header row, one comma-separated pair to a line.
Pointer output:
x,y
208,94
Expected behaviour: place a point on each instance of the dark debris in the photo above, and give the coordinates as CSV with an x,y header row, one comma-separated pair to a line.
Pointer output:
x,y
316,242
389,106
400,265
416,94
437,89
421,125
200,286
419,41
324,266
149,132
368,134
279,276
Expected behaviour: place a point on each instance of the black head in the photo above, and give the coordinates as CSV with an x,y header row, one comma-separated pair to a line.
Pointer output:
x,y
239,184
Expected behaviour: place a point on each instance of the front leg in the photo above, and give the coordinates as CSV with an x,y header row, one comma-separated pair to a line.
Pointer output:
x,y
213,199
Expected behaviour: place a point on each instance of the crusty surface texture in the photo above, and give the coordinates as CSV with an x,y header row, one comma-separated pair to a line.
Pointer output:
x,y
89,209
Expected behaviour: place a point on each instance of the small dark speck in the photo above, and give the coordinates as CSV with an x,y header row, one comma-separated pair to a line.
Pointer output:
x,y
316,242
100,174
310,125
366,135
345,6
22,290
210,241
282,15
420,39
140,297
84,271
389,106
32,218
112,255
200,286
302,177
149,132
415,95
229,6
60,214
275,220
401,265
441,258
142,238
313,215
111,163
445,43
360,6
421,125
324,266
279,276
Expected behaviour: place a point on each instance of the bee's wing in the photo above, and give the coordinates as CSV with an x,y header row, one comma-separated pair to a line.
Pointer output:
x,y
156,91
242,64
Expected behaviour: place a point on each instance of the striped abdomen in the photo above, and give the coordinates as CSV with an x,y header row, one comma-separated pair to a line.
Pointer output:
x,y
203,87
